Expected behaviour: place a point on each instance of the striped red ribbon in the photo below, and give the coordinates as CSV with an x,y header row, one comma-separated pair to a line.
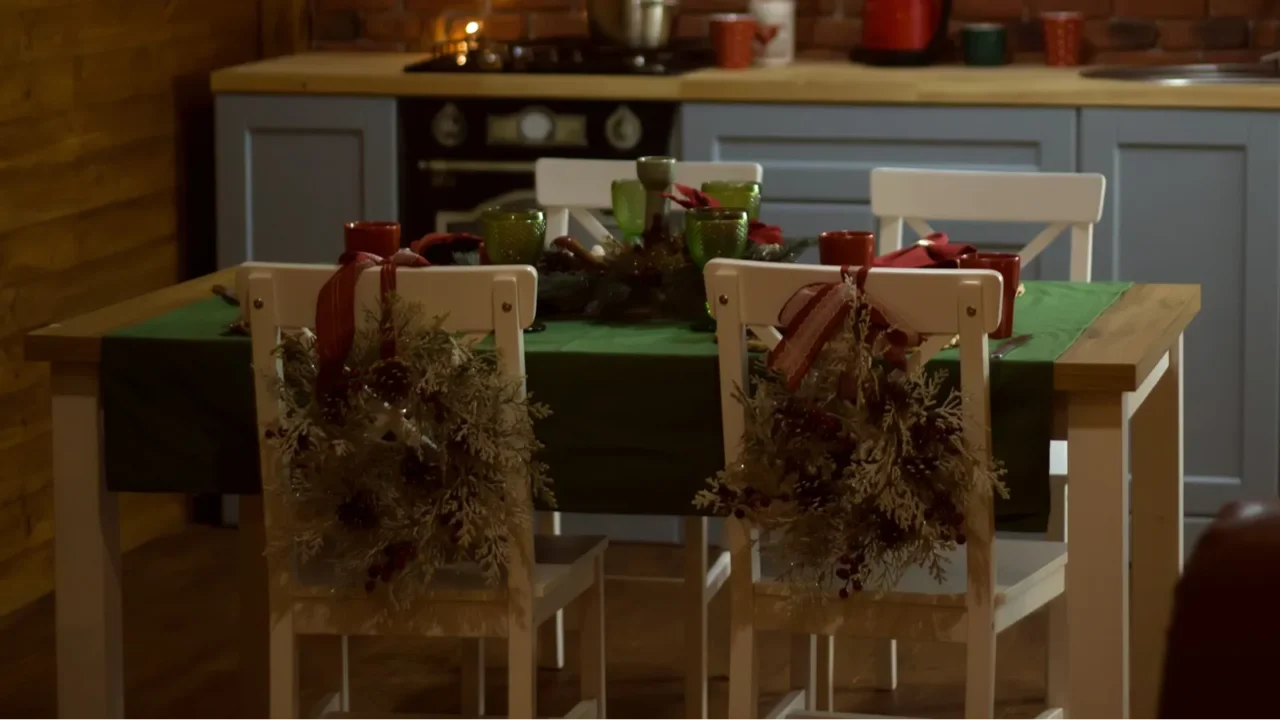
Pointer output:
x,y
336,309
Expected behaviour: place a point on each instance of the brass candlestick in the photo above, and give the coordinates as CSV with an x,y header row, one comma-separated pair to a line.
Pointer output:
x,y
656,173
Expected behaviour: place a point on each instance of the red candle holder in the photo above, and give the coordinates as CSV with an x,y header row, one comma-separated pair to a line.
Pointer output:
x,y
1009,265
856,248
373,237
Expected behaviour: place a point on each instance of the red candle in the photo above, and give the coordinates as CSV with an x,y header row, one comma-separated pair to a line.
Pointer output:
x,y
376,238
855,248
1009,265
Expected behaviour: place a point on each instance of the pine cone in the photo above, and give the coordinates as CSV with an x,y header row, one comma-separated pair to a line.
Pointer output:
x,y
391,380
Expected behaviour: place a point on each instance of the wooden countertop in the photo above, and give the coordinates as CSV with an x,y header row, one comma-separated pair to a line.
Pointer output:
x,y
803,82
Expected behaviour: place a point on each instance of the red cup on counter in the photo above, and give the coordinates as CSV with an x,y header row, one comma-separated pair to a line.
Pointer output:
x,y
376,238
846,247
734,36
1009,265
1063,38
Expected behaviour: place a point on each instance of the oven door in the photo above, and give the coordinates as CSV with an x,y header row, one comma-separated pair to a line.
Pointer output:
x,y
446,195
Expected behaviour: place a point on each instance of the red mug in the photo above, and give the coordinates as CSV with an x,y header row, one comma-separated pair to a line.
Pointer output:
x,y
846,247
376,238
733,36
1009,265
1063,38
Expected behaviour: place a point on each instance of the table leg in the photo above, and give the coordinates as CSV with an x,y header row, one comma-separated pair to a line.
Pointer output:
x,y
255,611
1097,567
86,553
1157,530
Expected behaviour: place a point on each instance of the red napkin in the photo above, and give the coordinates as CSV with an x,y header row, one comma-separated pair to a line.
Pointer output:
x,y
438,248
758,232
932,252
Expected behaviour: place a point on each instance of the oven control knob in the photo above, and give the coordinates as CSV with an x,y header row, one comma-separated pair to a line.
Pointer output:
x,y
448,126
536,126
622,128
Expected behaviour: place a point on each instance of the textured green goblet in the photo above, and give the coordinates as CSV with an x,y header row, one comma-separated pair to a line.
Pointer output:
x,y
513,237
718,232
744,195
628,207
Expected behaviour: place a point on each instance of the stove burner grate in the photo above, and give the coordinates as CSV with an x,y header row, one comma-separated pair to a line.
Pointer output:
x,y
565,55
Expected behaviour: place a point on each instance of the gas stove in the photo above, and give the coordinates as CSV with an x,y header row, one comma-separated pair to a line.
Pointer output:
x,y
562,56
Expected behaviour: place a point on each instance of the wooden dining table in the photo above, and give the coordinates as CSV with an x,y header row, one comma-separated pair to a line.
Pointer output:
x,y
1117,401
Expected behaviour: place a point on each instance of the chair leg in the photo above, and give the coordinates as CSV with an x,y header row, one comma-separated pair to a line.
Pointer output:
x,y
473,677
551,634
285,700
804,668
824,700
344,702
885,664
591,636
522,671
743,691
695,617
1056,661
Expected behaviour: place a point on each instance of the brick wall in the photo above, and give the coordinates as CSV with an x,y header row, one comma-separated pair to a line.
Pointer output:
x,y
1117,31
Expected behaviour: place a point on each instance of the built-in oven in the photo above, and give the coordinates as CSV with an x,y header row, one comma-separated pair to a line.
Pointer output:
x,y
461,157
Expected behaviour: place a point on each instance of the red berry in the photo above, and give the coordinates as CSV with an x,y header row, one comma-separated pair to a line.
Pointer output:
x,y
960,539
844,593
370,586
739,513
375,570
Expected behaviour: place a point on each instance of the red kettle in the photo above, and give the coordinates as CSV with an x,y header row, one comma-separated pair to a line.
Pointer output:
x,y
903,32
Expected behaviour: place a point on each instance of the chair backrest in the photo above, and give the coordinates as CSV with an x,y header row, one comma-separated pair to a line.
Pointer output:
x,y
1060,200
937,304
278,298
576,187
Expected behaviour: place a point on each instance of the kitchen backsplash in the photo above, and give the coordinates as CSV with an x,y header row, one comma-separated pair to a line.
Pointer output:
x,y
1116,31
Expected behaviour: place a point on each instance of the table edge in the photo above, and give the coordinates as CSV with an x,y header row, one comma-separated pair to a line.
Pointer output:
x,y
1083,368
78,339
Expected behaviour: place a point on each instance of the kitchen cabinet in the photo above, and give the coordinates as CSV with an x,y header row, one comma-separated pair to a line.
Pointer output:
x,y
292,169
1194,197
818,158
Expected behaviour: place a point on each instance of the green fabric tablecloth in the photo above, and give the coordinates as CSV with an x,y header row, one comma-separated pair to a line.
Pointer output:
x,y
636,424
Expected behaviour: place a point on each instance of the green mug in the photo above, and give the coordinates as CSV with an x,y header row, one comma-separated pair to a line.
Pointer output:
x,y
716,232
628,207
731,194
513,237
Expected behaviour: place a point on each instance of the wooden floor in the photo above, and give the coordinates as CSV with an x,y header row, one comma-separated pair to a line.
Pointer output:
x,y
180,654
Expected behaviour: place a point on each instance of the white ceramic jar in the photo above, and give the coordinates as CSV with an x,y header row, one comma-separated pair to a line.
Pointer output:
x,y
779,14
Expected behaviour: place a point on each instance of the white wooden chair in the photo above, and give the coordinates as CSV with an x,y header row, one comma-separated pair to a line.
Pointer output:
x,y
551,571
1062,201
567,187
991,583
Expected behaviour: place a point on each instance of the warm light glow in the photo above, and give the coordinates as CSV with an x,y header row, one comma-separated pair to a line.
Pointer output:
x,y
473,27
462,59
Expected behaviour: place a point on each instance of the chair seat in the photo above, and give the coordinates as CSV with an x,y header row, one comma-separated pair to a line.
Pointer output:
x,y
461,602
1029,574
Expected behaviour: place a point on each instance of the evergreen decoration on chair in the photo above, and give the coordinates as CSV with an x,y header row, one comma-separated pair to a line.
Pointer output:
x,y
401,466
854,467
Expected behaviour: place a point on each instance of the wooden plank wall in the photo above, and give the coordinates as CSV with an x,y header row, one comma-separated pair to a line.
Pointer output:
x,y
106,192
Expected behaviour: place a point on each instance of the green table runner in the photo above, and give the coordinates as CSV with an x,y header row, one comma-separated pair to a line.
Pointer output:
x,y
636,424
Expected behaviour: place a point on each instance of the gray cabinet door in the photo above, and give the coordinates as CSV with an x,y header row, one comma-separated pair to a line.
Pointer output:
x,y
1194,197
292,169
817,159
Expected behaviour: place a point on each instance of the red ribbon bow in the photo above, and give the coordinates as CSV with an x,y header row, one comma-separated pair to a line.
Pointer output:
x,y
690,198
336,307
438,248
934,251
816,312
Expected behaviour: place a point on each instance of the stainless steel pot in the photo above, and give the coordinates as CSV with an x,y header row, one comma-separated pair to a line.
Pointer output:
x,y
636,24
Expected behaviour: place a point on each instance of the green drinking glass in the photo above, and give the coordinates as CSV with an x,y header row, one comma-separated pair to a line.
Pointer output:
x,y
718,232
744,195
513,237
628,207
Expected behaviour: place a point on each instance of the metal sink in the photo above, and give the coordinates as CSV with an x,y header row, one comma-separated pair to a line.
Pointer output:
x,y
1221,74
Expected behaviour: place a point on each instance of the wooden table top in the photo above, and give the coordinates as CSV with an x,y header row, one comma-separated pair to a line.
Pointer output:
x,y
1114,354
334,73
